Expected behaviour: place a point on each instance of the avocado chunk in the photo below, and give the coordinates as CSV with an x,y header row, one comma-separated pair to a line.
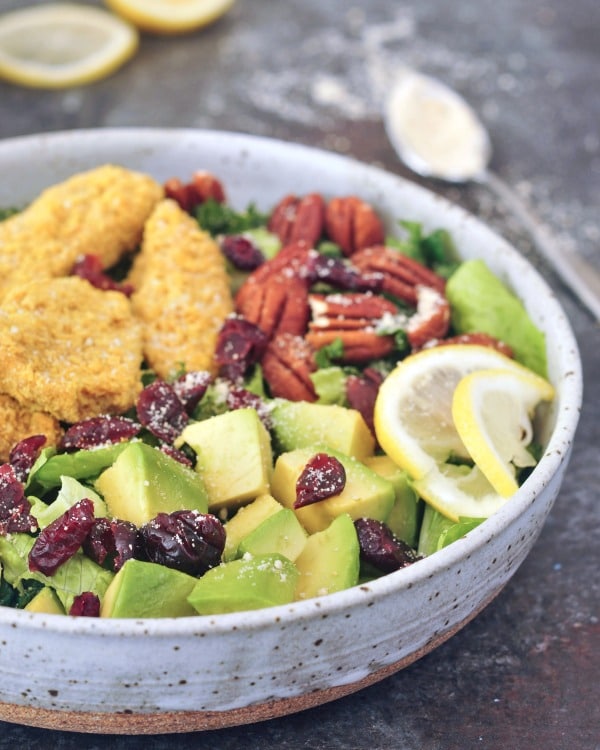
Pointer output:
x,y
143,482
330,560
282,533
366,494
405,516
144,589
300,424
45,601
244,584
234,457
245,521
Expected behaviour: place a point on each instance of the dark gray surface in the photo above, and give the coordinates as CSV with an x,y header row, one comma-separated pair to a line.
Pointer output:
x,y
524,674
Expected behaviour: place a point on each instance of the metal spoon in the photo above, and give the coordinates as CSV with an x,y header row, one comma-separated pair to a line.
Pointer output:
x,y
437,134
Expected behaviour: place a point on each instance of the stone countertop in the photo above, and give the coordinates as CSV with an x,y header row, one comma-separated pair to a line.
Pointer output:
x,y
524,673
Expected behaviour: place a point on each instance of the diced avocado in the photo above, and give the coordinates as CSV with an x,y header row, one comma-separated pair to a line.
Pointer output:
x,y
481,302
145,589
365,494
143,482
246,520
84,464
234,457
47,602
71,492
330,560
405,516
282,533
301,424
244,584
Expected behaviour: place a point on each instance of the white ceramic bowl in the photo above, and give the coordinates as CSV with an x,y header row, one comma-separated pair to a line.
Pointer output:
x,y
171,675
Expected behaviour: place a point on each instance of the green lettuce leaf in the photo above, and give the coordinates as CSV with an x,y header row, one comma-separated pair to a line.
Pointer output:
x,y
481,302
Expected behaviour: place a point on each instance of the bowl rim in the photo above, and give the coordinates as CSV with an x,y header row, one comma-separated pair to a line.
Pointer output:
x,y
556,453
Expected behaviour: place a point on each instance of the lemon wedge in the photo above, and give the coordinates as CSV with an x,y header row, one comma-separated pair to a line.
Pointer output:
x,y
170,16
492,412
61,45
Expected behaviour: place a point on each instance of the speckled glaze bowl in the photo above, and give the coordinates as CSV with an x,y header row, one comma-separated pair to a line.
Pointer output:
x,y
154,676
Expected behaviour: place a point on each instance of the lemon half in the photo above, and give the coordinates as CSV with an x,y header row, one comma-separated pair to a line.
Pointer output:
x,y
170,16
61,45
492,411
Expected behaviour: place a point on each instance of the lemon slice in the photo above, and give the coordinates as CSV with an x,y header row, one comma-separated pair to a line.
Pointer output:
x,y
492,412
413,411
61,45
170,16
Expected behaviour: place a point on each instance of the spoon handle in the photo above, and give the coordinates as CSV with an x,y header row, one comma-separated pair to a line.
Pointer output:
x,y
580,276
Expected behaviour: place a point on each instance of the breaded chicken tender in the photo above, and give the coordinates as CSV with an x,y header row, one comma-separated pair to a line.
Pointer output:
x,y
100,212
182,293
69,349
18,423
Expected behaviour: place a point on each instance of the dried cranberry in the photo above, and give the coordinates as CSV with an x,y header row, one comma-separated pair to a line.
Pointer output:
x,y
85,605
241,252
14,506
61,539
380,548
341,274
160,411
90,268
110,543
322,477
181,455
186,540
361,392
98,431
191,387
240,344
241,398
24,454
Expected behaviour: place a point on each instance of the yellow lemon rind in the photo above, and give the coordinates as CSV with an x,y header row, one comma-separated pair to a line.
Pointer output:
x,y
469,424
162,18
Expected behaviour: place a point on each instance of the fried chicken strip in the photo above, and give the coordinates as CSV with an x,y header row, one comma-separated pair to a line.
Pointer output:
x,y
182,293
100,212
69,349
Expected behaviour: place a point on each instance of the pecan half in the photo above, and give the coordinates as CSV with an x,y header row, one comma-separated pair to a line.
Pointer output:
x,y
295,219
275,296
401,275
287,364
432,318
353,224
353,318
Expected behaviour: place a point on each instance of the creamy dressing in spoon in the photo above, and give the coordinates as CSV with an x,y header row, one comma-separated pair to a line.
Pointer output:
x,y
435,131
